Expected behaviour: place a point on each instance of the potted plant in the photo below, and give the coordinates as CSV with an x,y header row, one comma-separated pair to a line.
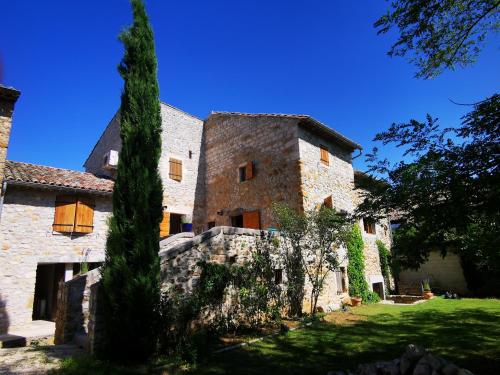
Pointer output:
x,y
187,223
356,301
427,294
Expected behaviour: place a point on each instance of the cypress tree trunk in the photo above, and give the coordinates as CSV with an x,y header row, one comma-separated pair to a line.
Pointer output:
x,y
131,273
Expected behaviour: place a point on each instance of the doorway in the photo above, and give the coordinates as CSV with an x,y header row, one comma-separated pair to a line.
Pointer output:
x,y
47,281
379,289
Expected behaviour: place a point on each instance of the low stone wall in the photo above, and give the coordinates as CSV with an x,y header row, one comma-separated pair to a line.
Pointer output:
x,y
414,361
179,256
73,313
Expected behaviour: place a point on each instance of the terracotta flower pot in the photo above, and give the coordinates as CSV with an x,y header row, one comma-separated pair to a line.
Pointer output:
x,y
356,301
428,294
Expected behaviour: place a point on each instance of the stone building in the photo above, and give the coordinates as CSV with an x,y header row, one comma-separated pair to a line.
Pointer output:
x,y
225,171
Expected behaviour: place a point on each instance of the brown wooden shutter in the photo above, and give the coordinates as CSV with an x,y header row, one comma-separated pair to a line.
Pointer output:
x,y
175,169
249,170
328,202
324,155
84,219
64,216
251,220
165,225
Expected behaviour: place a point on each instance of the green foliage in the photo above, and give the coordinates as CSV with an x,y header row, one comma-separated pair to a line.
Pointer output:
x,y
310,248
447,190
227,298
293,227
385,261
426,285
440,34
358,287
131,270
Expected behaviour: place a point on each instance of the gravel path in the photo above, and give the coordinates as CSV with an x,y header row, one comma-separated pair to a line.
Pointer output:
x,y
35,359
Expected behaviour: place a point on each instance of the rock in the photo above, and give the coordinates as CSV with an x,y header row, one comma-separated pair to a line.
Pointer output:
x,y
414,352
405,366
450,369
422,369
463,371
434,362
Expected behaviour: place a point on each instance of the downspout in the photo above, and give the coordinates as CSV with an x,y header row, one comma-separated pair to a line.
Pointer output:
x,y
360,153
3,190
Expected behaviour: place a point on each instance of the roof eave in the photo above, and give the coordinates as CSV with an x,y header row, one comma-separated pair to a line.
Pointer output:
x,y
56,187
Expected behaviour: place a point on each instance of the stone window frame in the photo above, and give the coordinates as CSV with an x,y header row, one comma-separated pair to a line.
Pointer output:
x,y
243,166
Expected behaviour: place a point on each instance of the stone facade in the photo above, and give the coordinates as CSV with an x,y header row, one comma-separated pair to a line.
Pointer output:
x,y
8,98
271,144
27,241
445,274
181,140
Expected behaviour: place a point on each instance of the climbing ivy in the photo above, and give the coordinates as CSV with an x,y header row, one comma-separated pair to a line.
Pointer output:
x,y
385,260
358,287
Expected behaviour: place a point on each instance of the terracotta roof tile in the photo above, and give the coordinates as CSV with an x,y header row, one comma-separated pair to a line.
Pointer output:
x,y
57,177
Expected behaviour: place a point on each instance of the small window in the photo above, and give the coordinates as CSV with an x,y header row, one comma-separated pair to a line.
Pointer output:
x,y
278,276
211,224
242,173
246,172
232,259
73,215
328,202
237,221
340,280
369,225
324,155
175,169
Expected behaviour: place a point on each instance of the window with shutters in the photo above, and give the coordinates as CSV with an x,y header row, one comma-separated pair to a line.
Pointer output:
x,y
328,202
165,225
246,171
324,155
369,225
73,215
175,169
340,280
251,220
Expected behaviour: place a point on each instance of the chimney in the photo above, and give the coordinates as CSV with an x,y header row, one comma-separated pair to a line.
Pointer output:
x,y
8,98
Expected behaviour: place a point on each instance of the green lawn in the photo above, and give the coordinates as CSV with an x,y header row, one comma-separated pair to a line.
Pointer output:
x,y
465,331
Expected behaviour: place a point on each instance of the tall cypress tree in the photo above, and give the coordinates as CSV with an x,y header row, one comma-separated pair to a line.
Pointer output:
x,y
131,273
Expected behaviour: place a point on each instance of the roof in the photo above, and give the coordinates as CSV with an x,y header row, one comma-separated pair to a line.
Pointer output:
x,y
307,120
31,174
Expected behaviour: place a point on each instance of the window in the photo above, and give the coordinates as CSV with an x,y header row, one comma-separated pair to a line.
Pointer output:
x,y
340,280
211,224
237,221
175,169
251,220
278,276
324,155
369,225
232,259
246,172
165,225
73,215
328,202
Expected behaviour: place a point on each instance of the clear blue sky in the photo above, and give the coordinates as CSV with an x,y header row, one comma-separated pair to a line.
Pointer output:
x,y
315,57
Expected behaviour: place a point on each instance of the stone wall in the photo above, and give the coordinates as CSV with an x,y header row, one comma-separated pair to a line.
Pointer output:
x,y
373,271
318,180
27,240
226,245
181,139
445,274
8,98
73,312
230,142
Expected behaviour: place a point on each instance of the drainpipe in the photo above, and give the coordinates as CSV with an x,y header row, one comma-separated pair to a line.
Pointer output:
x,y
3,189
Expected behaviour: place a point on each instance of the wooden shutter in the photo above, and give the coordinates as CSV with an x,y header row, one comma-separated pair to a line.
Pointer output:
x,y
165,225
84,219
324,155
249,170
64,216
251,220
328,202
175,169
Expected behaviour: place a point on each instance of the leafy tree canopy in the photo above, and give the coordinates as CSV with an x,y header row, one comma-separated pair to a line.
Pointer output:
x,y
448,193
440,34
